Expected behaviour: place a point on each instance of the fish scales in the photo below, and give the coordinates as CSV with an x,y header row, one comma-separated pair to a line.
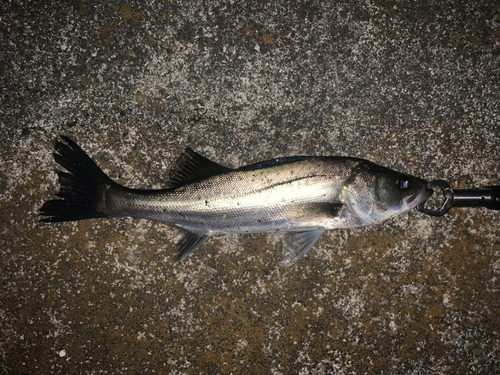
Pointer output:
x,y
241,201
302,196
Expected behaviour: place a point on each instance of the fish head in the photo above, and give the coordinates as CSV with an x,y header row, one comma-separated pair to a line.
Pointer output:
x,y
374,193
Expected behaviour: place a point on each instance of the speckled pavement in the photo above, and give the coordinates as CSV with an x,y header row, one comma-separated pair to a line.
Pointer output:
x,y
410,85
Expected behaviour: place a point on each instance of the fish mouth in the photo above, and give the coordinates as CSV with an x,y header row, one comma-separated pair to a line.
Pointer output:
x,y
419,197
426,195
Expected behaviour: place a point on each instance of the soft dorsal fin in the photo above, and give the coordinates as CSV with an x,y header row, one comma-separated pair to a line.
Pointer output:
x,y
273,162
191,167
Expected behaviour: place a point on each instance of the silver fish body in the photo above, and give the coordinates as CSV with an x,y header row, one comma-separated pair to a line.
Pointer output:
x,y
301,196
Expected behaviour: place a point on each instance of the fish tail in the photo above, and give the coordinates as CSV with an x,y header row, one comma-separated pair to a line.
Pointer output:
x,y
83,187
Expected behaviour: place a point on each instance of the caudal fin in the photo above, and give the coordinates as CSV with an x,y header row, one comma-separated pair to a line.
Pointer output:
x,y
82,189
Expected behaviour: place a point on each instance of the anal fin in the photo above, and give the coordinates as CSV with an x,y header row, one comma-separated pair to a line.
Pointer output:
x,y
297,244
189,242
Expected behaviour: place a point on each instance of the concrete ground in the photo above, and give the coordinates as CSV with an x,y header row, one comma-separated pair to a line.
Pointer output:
x,y
410,85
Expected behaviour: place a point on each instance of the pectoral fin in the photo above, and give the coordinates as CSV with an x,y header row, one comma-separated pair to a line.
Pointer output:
x,y
297,244
189,242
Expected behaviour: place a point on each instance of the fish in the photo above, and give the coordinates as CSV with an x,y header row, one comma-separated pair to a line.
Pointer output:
x,y
302,196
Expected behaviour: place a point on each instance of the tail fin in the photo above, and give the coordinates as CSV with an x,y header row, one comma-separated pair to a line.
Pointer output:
x,y
82,189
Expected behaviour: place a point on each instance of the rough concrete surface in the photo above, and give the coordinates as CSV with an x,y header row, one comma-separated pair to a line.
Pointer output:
x,y
410,85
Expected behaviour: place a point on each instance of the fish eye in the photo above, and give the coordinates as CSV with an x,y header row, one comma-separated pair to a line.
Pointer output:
x,y
404,183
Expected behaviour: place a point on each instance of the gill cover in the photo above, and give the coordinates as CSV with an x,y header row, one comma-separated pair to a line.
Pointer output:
x,y
374,193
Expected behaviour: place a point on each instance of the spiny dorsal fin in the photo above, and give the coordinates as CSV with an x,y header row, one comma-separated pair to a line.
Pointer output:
x,y
191,167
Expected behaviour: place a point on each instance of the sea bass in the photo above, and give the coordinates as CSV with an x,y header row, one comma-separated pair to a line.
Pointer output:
x,y
302,196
